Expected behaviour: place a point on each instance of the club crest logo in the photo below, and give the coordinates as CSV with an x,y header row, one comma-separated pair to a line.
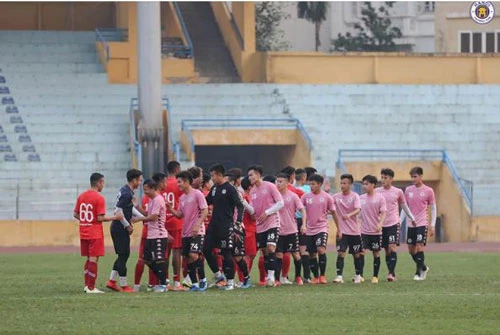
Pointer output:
x,y
482,12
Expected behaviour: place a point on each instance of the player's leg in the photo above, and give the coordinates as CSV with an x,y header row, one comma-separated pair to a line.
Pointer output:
x,y
304,255
121,241
84,252
280,250
312,248
272,240
356,248
250,250
342,246
292,248
297,262
390,242
177,260
419,255
209,246
322,261
285,269
411,241
139,267
376,266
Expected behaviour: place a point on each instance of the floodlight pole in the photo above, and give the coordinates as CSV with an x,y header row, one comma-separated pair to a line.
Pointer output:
x,y
150,130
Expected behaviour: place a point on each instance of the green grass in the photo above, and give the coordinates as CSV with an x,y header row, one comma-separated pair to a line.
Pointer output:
x,y
43,294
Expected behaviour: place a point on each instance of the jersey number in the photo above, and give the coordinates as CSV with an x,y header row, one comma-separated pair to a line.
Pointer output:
x,y
86,213
170,198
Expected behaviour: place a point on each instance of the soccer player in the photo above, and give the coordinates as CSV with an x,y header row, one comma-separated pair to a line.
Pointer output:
x,y
266,202
288,241
157,236
122,229
419,198
174,225
250,227
90,211
225,199
394,197
289,170
318,205
193,209
159,179
301,183
373,212
310,171
234,178
348,232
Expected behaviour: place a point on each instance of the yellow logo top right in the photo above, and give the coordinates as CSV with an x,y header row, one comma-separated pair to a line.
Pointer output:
x,y
482,12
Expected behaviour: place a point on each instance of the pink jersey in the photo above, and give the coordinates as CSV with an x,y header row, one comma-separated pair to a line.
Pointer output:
x,y
418,199
261,199
288,223
371,209
156,229
191,205
346,204
317,208
393,198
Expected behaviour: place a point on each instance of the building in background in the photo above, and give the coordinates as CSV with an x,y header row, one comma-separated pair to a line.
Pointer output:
x,y
457,32
414,19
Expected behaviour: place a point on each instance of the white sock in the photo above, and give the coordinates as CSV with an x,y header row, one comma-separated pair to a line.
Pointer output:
x,y
203,280
123,281
187,279
218,274
230,282
270,274
176,283
114,275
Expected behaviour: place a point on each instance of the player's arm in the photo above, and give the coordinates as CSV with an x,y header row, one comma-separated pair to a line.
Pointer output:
x,y
381,220
177,213
351,214
279,203
303,229
201,219
124,201
249,208
209,198
104,218
76,215
433,218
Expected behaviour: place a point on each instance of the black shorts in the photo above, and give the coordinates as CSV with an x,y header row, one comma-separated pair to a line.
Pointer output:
x,y
154,249
221,238
269,236
372,242
288,243
351,242
302,237
239,245
315,241
192,245
390,235
417,235
121,239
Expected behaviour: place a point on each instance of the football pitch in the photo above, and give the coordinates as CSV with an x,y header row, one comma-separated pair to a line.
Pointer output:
x,y
43,294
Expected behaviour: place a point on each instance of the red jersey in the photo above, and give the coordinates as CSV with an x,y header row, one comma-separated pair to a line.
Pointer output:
x,y
210,208
145,202
172,194
249,220
295,190
88,206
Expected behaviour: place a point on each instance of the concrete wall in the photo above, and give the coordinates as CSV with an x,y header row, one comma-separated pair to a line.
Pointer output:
x,y
486,228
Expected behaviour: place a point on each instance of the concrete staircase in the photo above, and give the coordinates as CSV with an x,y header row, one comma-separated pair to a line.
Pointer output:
x,y
211,57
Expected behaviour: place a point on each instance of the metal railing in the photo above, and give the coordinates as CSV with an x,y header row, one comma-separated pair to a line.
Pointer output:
x,y
465,186
182,51
106,35
235,26
290,123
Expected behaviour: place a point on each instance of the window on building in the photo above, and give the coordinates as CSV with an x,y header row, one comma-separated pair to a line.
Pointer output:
x,y
429,7
479,42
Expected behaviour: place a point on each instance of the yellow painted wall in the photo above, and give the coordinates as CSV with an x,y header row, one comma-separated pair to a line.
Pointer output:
x,y
486,228
379,68
50,233
244,137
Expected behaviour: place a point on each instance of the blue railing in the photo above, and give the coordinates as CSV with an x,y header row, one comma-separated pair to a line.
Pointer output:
x,y
134,105
290,123
235,26
465,186
179,50
106,35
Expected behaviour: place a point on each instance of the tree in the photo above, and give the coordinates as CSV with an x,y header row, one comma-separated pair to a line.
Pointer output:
x,y
374,34
268,35
314,12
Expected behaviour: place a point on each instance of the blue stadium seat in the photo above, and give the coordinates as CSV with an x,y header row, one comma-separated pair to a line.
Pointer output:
x,y
10,158
2,80
11,110
16,119
1,129
29,148
20,129
3,138
5,148
7,101
4,90
34,157
24,138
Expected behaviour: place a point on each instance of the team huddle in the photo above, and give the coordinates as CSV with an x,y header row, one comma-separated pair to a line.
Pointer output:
x,y
224,219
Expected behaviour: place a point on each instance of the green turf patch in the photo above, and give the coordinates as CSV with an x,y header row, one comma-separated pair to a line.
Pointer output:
x,y
43,294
